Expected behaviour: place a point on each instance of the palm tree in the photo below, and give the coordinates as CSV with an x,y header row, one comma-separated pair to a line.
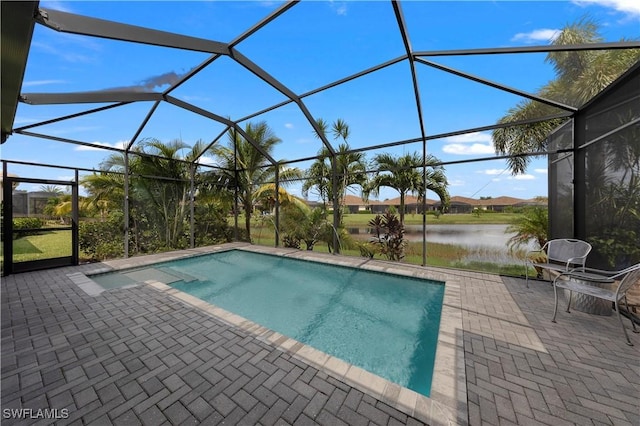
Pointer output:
x,y
159,188
105,189
532,225
167,186
350,167
403,174
580,75
54,189
248,170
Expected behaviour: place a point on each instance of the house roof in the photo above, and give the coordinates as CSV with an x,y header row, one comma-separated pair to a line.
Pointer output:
x,y
457,199
499,201
409,199
352,200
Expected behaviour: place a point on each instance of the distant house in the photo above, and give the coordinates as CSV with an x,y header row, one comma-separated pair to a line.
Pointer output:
x,y
412,204
531,202
354,204
457,204
30,203
498,204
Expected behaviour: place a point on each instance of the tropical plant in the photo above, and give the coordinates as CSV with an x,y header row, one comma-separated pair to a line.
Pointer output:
x,y
580,75
532,225
405,175
388,237
350,168
305,224
53,189
248,170
613,195
159,190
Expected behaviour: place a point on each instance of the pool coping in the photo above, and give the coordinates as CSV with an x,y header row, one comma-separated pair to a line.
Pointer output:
x,y
447,404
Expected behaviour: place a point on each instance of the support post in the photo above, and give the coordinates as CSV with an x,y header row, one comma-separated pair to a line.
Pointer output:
x,y
336,204
277,206
235,185
126,204
192,197
75,220
579,173
7,220
424,202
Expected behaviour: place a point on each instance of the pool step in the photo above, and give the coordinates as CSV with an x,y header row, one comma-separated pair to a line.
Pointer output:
x,y
154,274
179,274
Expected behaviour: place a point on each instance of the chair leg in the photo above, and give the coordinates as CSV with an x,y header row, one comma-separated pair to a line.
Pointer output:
x,y
526,274
569,304
622,324
555,305
633,324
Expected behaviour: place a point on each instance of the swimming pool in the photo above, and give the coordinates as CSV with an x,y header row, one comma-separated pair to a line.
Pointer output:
x,y
383,323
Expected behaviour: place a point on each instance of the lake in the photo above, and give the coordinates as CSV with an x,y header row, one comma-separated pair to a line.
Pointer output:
x,y
487,243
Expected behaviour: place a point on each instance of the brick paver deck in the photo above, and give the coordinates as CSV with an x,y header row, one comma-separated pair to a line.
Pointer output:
x,y
140,356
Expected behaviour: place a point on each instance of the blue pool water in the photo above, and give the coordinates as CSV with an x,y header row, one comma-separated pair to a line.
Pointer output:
x,y
386,324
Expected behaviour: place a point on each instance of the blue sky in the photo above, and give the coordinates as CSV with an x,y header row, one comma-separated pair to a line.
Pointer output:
x,y
312,44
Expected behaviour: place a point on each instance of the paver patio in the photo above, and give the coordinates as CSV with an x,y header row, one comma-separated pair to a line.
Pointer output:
x,y
138,355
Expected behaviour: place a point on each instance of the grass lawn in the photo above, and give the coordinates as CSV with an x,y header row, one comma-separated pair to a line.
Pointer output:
x,y
44,246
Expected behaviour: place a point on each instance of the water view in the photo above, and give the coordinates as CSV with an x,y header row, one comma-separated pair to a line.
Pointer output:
x,y
485,242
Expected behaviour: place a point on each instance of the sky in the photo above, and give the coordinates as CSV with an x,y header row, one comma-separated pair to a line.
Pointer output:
x,y
313,44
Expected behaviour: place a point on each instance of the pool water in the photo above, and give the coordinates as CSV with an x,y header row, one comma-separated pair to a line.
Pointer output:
x,y
386,324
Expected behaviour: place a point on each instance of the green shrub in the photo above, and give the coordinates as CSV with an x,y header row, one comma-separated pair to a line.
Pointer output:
x,y
211,227
22,226
101,240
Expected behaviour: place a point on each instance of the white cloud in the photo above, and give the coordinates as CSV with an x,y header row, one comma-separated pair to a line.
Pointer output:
x,y
206,160
340,8
491,171
630,7
41,82
457,182
541,35
74,129
470,137
469,144
523,177
25,120
466,149
288,125
541,171
70,47
190,98
119,145
56,5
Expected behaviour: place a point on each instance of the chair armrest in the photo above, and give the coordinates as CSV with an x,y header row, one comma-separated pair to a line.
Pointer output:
x,y
604,273
587,276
